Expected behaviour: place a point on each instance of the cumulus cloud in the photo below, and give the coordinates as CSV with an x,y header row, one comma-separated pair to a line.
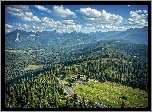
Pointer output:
x,y
28,28
90,13
100,26
88,24
138,11
75,27
100,16
60,11
69,22
22,27
90,28
109,27
71,25
8,28
138,18
60,26
42,8
145,11
22,12
49,23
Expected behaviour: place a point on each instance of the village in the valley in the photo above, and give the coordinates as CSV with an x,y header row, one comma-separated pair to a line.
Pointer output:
x,y
75,80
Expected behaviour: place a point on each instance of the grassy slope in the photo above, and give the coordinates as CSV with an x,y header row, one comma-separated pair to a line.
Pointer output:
x,y
109,93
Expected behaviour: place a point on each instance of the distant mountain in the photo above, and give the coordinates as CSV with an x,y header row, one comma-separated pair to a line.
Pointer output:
x,y
76,38
137,35
19,39
102,35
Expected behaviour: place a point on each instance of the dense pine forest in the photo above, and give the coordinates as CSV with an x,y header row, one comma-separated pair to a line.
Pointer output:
x,y
101,63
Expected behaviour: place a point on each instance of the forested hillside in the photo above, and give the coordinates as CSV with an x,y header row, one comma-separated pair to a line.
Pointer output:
x,y
114,61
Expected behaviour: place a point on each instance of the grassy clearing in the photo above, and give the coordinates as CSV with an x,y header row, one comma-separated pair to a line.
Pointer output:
x,y
65,82
15,51
32,67
109,93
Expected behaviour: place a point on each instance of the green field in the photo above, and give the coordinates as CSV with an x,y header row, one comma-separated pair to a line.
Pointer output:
x,y
32,67
108,93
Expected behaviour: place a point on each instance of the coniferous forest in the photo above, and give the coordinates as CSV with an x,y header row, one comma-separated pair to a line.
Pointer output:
x,y
104,65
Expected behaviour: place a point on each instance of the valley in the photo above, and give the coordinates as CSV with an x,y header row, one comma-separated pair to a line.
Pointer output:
x,y
111,71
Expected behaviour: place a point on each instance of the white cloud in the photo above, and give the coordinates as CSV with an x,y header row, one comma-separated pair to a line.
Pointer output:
x,y
138,11
61,25
62,12
100,16
88,24
90,28
49,23
71,25
121,27
22,27
90,13
100,26
42,8
138,18
91,19
8,28
109,27
128,5
22,12
75,27
29,28
69,22
145,11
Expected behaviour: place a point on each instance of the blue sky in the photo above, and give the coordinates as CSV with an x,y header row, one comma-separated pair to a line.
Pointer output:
x,y
67,18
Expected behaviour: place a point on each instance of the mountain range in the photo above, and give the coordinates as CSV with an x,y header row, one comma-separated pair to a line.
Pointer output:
x,y
21,39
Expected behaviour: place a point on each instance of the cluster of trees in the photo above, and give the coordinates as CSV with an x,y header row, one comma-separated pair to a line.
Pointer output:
x,y
111,65
115,70
16,62
42,91
14,65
